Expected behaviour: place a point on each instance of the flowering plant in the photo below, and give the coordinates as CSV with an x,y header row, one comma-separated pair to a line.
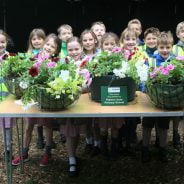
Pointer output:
x,y
168,73
56,78
120,63
14,65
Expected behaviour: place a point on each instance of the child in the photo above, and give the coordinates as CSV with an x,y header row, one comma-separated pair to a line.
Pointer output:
x,y
99,29
164,47
108,42
178,50
72,129
35,44
51,47
128,41
4,41
36,40
64,33
89,43
136,26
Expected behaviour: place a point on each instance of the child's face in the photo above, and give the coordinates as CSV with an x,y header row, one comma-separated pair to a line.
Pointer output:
x,y
108,44
151,40
37,42
181,35
130,42
3,43
164,50
74,50
65,34
88,42
99,31
50,47
136,28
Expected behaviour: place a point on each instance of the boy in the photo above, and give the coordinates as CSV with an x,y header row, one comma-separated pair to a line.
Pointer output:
x,y
64,33
164,47
136,26
178,49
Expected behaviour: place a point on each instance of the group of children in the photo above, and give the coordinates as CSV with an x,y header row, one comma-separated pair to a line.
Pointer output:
x,y
157,47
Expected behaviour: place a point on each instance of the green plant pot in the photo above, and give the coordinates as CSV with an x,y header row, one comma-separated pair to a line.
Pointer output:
x,y
46,101
109,80
13,87
167,96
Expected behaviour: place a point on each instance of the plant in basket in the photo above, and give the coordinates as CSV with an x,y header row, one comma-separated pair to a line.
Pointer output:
x,y
52,84
12,67
165,84
116,68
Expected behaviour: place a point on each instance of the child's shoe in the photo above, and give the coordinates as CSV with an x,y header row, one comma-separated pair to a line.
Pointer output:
x,y
40,144
162,155
176,140
146,157
45,160
17,160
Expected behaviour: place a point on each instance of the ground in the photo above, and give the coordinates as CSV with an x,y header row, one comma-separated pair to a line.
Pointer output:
x,y
126,170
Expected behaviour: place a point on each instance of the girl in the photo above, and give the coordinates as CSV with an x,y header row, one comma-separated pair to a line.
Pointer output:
x,y
89,43
4,41
128,43
72,129
51,47
108,42
35,43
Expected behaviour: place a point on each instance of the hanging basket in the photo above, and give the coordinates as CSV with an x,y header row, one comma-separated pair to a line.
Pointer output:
x,y
167,96
13,87
110,80
46,101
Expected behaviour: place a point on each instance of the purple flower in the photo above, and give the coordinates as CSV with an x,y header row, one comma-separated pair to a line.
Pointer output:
x,y
51,64
116,50
37,64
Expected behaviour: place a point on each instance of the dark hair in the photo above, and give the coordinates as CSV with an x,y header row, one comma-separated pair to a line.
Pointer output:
x,y
153,30
73,39
9,40
110,35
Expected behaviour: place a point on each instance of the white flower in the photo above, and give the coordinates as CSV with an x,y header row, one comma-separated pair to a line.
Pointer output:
x,y
64,75
142,70
121,73
23,85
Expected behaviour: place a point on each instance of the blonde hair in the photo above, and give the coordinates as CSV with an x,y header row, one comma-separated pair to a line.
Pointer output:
x,y
179,27
110,35
135,21
35,32
165,38
98,23
127,32
65,26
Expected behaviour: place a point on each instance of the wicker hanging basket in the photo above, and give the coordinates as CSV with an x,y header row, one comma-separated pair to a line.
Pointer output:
x,y
46,101
167,96
13,87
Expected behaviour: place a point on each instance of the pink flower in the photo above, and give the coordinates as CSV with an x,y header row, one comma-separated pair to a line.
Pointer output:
x,y
152,75
170,67
116,50
37,64
51,64
165,71
180,58
85,73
